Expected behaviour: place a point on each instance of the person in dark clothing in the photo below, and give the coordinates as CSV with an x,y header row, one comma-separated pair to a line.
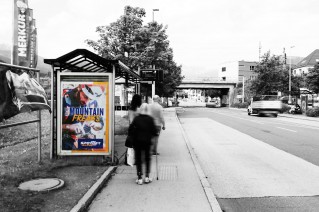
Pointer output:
x,y
144,130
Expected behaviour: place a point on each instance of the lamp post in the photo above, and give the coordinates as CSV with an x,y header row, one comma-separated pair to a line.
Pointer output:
x,y
154,10
289,97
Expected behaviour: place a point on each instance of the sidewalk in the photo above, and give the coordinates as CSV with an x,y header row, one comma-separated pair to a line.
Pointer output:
x,y
179,188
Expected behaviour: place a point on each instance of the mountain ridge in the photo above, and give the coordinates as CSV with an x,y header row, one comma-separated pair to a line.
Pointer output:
x,y
5,55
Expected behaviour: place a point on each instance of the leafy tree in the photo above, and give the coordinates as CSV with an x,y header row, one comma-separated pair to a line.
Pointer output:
x,y
213,93
312,78
273,76
147,46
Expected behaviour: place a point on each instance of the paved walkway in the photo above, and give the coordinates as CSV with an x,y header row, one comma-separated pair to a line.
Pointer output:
x,y
182,185
179,188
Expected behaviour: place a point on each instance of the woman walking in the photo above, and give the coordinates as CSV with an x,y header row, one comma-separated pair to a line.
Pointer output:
x,y
132,113
134,107
143,130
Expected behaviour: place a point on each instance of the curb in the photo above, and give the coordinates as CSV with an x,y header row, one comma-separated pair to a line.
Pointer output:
x,y
86,200
203,179
300,118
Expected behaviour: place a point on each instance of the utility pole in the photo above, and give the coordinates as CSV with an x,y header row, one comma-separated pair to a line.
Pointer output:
x,y
243,97
154,10
259,50
289,98
153,84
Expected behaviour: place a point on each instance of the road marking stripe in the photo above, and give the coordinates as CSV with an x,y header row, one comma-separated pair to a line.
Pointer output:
x,y
238,117
237,165
272,121
287,129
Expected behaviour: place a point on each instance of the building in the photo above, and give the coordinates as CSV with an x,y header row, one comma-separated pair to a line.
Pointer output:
x,y
307,63
236,71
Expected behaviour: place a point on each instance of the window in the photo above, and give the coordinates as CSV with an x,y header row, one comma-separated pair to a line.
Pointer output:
x,y
251,68
223,68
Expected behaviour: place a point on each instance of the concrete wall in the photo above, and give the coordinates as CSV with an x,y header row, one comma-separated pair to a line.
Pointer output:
x,y
228,71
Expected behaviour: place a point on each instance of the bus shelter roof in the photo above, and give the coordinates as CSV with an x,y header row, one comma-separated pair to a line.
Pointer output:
x,y
83,60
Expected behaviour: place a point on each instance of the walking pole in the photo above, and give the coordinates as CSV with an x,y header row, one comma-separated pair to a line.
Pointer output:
x,y
156,165
157,155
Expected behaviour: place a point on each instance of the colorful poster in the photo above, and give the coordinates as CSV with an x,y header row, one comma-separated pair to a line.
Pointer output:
x,y
85,117
21,33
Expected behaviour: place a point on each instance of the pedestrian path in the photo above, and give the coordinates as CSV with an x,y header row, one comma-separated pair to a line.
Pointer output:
x,y
178,188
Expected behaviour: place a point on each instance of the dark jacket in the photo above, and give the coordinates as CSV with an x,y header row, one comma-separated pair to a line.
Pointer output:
x,y
142,129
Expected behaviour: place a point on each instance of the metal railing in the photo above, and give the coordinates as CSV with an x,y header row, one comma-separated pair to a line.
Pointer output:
x,y
38,120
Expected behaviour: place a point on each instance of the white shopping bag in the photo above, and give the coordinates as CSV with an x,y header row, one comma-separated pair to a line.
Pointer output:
x,y
130,156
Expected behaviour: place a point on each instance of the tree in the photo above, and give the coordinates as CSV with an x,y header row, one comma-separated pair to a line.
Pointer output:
x,y
273,76
312,78
147,46
213,93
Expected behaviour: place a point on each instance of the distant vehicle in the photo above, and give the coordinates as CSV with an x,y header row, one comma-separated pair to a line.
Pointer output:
x,y
265,105
212,103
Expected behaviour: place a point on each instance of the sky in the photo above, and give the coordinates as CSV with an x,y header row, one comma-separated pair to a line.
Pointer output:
x,y
203,34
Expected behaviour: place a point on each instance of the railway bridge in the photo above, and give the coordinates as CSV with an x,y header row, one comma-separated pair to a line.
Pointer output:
x,y
198,88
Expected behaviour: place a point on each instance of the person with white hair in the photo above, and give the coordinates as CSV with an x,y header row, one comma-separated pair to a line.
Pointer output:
x,y
143,130
156,111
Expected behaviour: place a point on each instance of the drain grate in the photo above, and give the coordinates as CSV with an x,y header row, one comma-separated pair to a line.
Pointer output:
x,y
166,172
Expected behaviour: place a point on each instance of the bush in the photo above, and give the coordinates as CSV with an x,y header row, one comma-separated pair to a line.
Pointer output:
x,y
285,108
240,105
313,112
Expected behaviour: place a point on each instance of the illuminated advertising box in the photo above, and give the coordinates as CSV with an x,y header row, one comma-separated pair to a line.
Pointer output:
x,y
84,113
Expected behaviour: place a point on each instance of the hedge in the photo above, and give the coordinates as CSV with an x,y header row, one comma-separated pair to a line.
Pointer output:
x,y
313,112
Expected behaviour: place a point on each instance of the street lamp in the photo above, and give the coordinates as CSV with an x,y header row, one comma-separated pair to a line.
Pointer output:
x,y
289,97
154,10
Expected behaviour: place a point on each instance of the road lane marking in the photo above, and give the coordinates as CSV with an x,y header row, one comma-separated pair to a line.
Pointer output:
x,y
277,121
247,167
258,122
287,129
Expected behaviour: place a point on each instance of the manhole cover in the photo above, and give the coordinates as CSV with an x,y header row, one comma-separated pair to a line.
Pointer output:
x,y
42,184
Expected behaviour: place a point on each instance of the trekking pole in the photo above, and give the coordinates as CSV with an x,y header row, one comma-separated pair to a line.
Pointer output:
x,y
156,165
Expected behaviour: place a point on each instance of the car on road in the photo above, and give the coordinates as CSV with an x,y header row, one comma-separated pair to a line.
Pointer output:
x,y
264,105
212,103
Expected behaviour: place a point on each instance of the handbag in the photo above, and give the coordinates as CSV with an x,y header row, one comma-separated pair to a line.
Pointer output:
x,y
130,154
129,141
130,137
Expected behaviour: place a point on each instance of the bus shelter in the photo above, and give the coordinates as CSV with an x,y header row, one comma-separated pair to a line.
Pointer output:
x,y
82,101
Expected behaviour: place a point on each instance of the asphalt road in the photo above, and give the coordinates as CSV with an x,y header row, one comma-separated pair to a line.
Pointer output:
x,y
256,163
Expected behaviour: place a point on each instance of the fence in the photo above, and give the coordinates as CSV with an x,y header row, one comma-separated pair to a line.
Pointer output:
x,y
38,120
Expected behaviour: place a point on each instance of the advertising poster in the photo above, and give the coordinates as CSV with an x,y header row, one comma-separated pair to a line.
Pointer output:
x,y
85,117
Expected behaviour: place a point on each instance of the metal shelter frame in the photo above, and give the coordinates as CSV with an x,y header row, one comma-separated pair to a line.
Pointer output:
x,y
38,120
85,61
